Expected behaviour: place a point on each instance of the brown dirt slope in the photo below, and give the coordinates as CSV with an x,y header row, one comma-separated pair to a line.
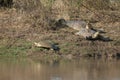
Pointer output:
x,y
30,21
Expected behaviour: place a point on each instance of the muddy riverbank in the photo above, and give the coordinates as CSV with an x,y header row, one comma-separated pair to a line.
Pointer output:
x,y
21,26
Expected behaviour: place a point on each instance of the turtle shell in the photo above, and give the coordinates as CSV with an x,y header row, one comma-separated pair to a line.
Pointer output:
x,y
46,45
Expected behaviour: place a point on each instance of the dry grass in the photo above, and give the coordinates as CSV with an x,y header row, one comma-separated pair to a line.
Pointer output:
x,y
32,20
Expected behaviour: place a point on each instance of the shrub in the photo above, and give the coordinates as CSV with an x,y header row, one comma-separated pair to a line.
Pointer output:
x,y
6,3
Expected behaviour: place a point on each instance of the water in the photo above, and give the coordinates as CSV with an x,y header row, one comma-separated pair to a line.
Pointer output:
x,y
83,69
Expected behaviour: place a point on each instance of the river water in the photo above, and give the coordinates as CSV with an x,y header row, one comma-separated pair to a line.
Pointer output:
x,y
82,69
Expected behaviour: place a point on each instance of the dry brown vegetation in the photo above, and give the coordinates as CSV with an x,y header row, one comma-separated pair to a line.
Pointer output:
x,y
32,20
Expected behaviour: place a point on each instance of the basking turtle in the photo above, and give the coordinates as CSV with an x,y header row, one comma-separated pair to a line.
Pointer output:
x,y
47,45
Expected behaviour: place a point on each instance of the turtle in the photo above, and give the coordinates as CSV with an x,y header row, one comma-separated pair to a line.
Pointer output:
x,y
47,45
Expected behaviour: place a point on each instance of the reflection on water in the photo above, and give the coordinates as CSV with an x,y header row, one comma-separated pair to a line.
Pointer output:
x,y
83,69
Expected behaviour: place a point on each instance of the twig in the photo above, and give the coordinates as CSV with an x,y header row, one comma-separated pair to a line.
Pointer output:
x,y
91,10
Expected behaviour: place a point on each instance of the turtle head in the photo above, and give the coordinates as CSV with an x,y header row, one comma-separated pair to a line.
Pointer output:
x,y
55,48
96,34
